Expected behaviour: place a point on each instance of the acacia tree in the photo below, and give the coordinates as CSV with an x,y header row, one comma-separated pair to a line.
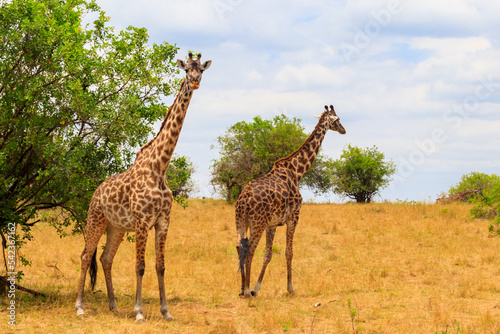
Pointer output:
x,y
75,103
361,173
248,150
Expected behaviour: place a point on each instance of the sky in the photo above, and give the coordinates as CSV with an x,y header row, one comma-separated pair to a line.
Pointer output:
x,y
420,80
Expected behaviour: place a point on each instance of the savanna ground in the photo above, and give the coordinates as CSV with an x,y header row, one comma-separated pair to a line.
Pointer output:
x,y
375,268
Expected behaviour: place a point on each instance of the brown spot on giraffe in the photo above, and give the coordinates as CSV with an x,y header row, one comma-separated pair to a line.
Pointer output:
x,y
274,200
137,200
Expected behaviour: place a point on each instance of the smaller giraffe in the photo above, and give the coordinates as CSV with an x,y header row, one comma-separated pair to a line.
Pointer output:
x,y
274,200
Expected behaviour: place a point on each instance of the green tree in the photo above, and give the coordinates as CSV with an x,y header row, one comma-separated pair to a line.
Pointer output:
x,y
75,103
361,173
248,150
481,182
179,173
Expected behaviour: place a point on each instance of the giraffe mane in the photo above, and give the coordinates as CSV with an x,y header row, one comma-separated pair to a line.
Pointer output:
x,y
165,119
323,115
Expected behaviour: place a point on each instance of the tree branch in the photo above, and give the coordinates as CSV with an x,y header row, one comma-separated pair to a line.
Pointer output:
x,y
18,287
4,245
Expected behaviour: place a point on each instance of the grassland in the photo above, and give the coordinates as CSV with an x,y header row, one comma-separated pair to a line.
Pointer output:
x,y
376,268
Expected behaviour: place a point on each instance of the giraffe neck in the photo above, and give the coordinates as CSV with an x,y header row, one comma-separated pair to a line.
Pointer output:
x,y
301,160
160,149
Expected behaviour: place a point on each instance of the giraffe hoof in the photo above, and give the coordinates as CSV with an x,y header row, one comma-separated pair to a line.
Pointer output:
x,y
116,311
253,293
167,317
80,314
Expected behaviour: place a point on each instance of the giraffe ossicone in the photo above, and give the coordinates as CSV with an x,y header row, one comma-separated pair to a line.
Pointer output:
x,y
138,200
274,200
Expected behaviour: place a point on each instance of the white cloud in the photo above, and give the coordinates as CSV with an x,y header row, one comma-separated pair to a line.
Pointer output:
x,y
452,46
481,130
307,76
454,56
272,57
459,11
171,16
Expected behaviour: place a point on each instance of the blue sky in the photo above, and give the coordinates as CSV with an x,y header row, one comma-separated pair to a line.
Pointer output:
x,y
418,79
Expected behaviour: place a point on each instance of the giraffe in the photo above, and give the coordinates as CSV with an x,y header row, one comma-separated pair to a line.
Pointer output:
x,y
138,200
274,200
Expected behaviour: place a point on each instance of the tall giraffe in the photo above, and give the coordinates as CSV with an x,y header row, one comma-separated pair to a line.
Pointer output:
x,y
274,200
138,200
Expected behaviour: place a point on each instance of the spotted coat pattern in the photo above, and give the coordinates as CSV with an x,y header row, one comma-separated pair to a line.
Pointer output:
x,y
138,200
274,200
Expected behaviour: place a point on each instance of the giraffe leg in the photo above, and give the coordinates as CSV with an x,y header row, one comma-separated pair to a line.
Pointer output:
x,y
160,238
141,236
242,248
290,230
114,238
96,223
241,244
255,235
267,258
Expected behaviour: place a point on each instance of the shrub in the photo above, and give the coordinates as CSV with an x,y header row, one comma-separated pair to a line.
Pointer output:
x,y
481,182
488,207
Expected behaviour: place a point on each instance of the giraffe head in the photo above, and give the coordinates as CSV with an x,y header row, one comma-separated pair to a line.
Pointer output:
x,y
194,69
333,120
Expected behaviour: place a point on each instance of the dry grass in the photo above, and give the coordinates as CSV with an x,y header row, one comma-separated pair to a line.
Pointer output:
x,y
405,268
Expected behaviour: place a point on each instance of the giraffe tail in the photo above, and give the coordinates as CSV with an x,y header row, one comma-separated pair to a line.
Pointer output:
x,y
243,253
93,270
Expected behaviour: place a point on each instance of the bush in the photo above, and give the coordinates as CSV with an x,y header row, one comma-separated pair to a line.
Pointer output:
x,y
481,182
361,173
488,207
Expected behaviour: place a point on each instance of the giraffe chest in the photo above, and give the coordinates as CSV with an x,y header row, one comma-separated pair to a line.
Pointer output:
x,y
148,203
143,200
115,201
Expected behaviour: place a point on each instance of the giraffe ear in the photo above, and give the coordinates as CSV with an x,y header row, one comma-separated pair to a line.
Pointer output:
x,y
318,117
181,64
332,110
206,65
